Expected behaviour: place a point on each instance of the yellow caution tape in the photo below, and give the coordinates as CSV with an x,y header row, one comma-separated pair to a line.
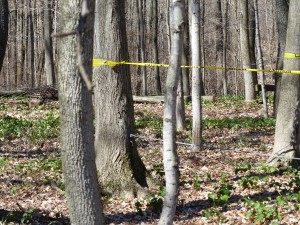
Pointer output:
x,y
291,55
103,62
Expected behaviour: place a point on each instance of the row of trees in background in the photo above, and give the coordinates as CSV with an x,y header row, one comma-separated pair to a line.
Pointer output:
x,y
31,54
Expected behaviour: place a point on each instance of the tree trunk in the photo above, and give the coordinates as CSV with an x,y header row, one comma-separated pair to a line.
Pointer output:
x,y
282,10
224,53
120,169
140,4
260,59
76,116
3,29
194,21
171,166
154,25
287,134
49,65
180,107
245,49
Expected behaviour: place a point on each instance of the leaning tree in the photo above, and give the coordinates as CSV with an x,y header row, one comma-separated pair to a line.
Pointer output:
x,y
3,29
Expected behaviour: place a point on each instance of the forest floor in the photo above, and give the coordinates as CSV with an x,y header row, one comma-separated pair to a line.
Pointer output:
x,y
227,182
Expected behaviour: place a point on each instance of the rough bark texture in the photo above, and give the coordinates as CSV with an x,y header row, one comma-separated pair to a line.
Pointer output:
x,y
3,29
120,168
286,142
76,118
245,49
169,128
194,21
282,11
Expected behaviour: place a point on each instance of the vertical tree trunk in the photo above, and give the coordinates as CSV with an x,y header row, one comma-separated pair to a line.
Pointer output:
x,y
170,154
120,169
180,107
76,115
287,136
245,49
224,29
49,65
260,59
194,22
154,25
3,29
281,11
142,44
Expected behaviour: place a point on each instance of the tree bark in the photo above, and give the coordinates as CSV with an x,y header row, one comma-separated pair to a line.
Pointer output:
x,y
170,156
3,29
120,169
49,65
76,115
282,11
245,50
287,134
260,61
194,21
154,25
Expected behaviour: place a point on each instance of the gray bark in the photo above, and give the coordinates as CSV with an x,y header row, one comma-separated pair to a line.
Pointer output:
x,y
120,169
245,50
170,156
224,58
49,65
287,135
260,59
154,25
3,29
281,12
194,21
76,116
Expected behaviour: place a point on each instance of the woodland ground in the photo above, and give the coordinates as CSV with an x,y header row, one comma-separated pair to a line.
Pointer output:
x,y
226,183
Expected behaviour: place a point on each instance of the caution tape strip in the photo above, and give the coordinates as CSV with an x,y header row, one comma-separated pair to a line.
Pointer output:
x,y
103,62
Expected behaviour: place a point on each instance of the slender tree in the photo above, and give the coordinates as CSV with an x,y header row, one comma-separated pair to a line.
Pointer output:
x,y
76,113
120,169
194,21
3,29
245,51
49,65
287,136
260,59
169,128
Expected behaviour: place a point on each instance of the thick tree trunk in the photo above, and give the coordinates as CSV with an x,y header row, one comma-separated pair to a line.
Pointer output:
x,y
194,21
49,65
245,49
76,116
287,134
282,11
3,29
120,169
171,166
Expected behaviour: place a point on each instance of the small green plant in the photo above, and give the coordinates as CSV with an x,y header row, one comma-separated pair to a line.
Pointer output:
x,y
260,212
249,182
222,194
197,182
27,216
267,169
242,168
151,202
